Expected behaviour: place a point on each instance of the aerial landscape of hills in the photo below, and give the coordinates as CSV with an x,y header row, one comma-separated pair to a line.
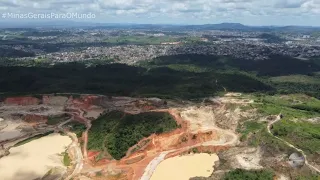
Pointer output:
x,y
152,90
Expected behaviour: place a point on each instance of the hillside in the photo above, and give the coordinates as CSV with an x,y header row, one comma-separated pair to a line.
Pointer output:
x,y
181,76
116,131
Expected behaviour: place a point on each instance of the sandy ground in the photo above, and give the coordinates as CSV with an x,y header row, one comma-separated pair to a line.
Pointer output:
x,y
185,167
94,113
282,177
249,159
204,119
10,130
201,119
34,159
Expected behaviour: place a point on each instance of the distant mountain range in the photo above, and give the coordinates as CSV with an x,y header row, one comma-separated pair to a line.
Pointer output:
x,y
222,26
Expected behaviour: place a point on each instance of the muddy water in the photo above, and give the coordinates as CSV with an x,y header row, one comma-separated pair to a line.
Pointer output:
x,y
185,167
34,159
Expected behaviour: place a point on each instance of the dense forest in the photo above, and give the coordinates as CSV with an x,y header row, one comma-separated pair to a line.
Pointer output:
x,y
181,76
117,131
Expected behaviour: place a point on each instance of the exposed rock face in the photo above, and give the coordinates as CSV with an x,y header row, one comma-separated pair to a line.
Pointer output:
x,y
24,101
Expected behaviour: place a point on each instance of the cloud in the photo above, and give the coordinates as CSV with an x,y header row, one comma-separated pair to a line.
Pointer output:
x,y
206,11
290,3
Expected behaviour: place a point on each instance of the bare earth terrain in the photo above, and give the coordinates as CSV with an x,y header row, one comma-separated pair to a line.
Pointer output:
x,y
207,127
34,159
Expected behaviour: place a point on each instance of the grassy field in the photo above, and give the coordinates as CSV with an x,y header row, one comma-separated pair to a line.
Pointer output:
x,y
116,131
296,102
303,79
249,127
294,128
304,135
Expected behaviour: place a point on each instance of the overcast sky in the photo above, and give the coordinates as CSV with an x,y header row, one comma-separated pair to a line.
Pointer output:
x,y
249,12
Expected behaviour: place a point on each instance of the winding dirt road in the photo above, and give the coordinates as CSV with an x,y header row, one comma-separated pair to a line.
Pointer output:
x,y
85,133
76,149
290,145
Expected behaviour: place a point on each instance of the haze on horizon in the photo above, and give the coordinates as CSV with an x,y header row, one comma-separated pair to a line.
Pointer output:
x,y
248,12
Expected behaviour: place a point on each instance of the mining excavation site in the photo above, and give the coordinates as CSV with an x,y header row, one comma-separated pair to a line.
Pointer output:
x,y
205,127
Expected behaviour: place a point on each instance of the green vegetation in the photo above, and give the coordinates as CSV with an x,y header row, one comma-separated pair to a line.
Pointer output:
x,y
195,150
99,174
296,101
271,38
240,174
264,139
118,79
32,138
116,131
303,79
316,60
66,159
294,108
145,40
180,76
142,40
100,156
138,147
77,128
302,134
312,177
54,120
187,68
291,106
249,127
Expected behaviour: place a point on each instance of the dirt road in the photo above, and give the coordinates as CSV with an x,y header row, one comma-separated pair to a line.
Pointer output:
x,y
75,146
153,165
290,145
78,155
85,133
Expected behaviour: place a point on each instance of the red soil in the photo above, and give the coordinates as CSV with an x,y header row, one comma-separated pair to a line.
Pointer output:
x,y
133,165
92,155
24,101
86,101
